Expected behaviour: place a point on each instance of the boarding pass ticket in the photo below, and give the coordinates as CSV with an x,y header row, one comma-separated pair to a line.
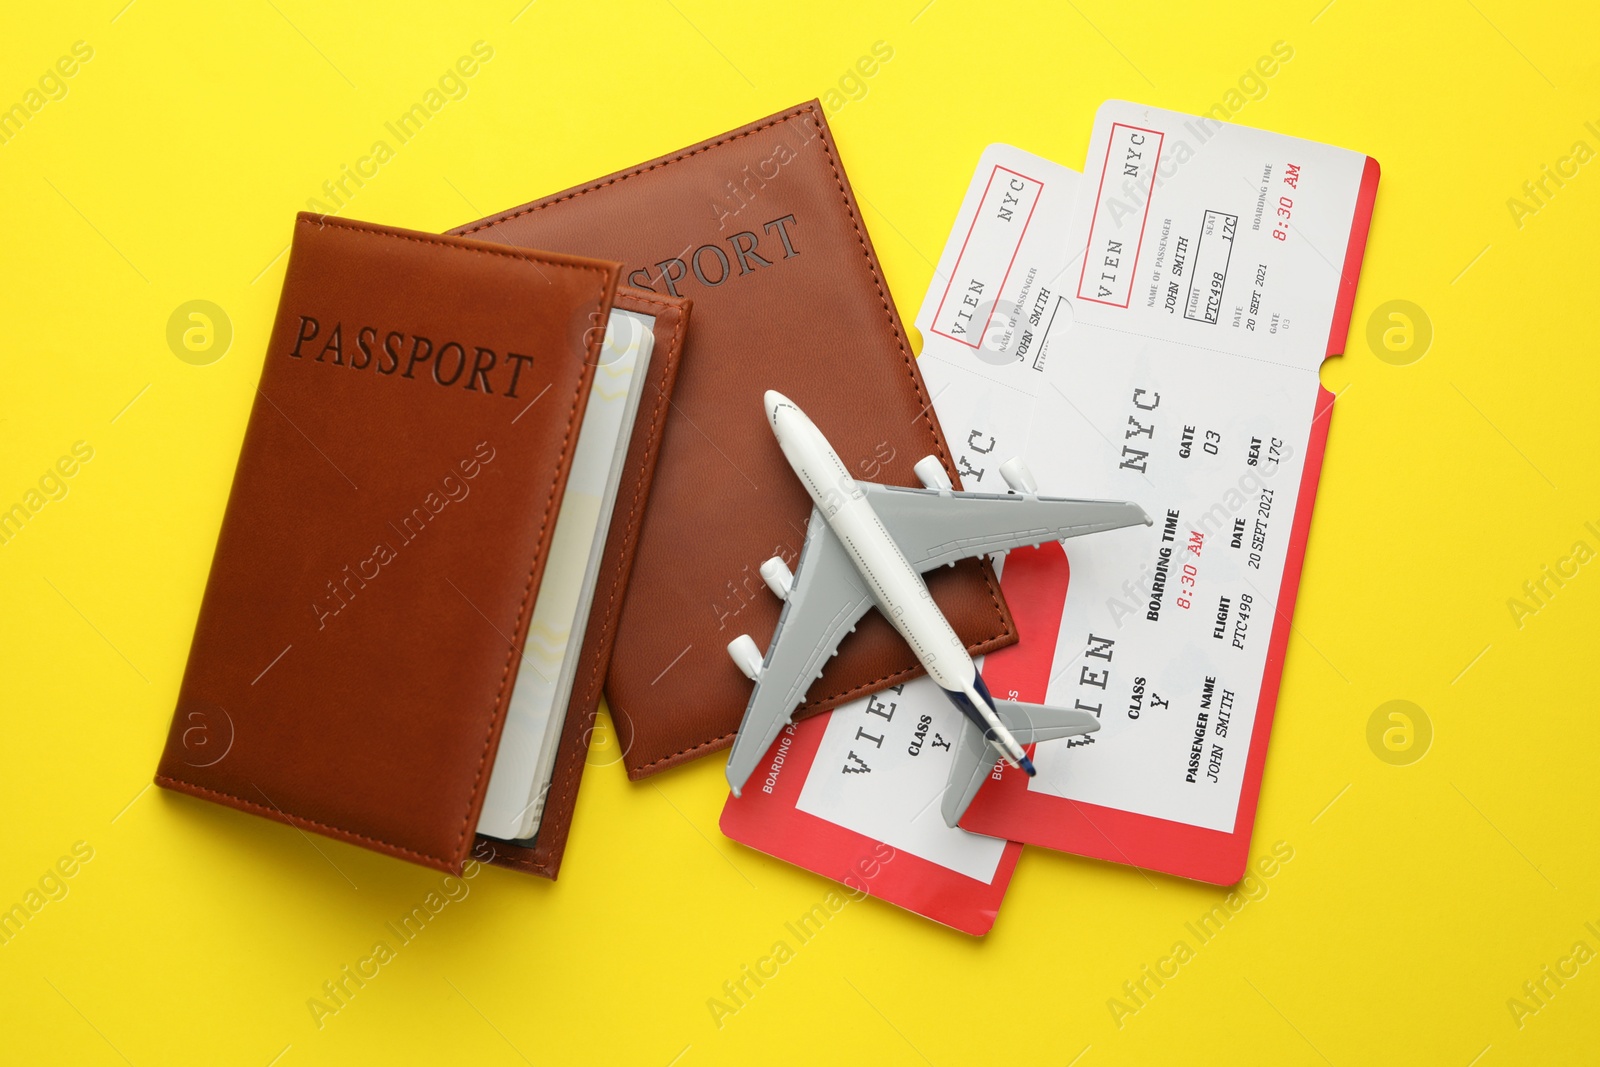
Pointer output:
x,y
1152,330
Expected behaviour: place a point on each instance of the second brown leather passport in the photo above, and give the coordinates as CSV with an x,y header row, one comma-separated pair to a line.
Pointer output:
x,y
760,229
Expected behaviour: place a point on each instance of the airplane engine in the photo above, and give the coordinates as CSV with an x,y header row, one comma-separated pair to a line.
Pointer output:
x,y
931,473
746,655
779,578
1019,477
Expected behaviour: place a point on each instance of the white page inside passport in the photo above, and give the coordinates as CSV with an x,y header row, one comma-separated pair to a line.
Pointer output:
x,y
520,778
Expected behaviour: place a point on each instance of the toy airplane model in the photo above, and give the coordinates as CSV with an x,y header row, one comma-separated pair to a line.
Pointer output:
x,y
868,545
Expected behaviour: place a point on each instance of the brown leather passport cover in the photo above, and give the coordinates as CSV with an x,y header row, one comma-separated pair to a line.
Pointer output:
x,y
391,510
759,227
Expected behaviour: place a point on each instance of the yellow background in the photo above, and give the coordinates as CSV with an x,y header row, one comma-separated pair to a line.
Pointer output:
x,y
1419,898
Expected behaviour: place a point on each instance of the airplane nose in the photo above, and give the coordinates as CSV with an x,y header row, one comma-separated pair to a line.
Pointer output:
x,y
773,400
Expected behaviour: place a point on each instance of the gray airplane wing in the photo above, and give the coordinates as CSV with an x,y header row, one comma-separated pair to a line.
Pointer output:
x,y
975,757
826,601
935,528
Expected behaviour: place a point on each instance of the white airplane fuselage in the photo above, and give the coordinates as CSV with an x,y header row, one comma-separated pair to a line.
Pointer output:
x,y
899,591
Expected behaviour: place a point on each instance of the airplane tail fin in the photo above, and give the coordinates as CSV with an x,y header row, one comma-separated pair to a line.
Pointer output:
x,y
975,757
1039,722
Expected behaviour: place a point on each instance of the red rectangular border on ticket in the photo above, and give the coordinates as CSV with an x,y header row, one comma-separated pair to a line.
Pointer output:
x,y
1094,218
955,270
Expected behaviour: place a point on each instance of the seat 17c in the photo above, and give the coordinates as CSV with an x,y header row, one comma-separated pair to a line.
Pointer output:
x,y
868,545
